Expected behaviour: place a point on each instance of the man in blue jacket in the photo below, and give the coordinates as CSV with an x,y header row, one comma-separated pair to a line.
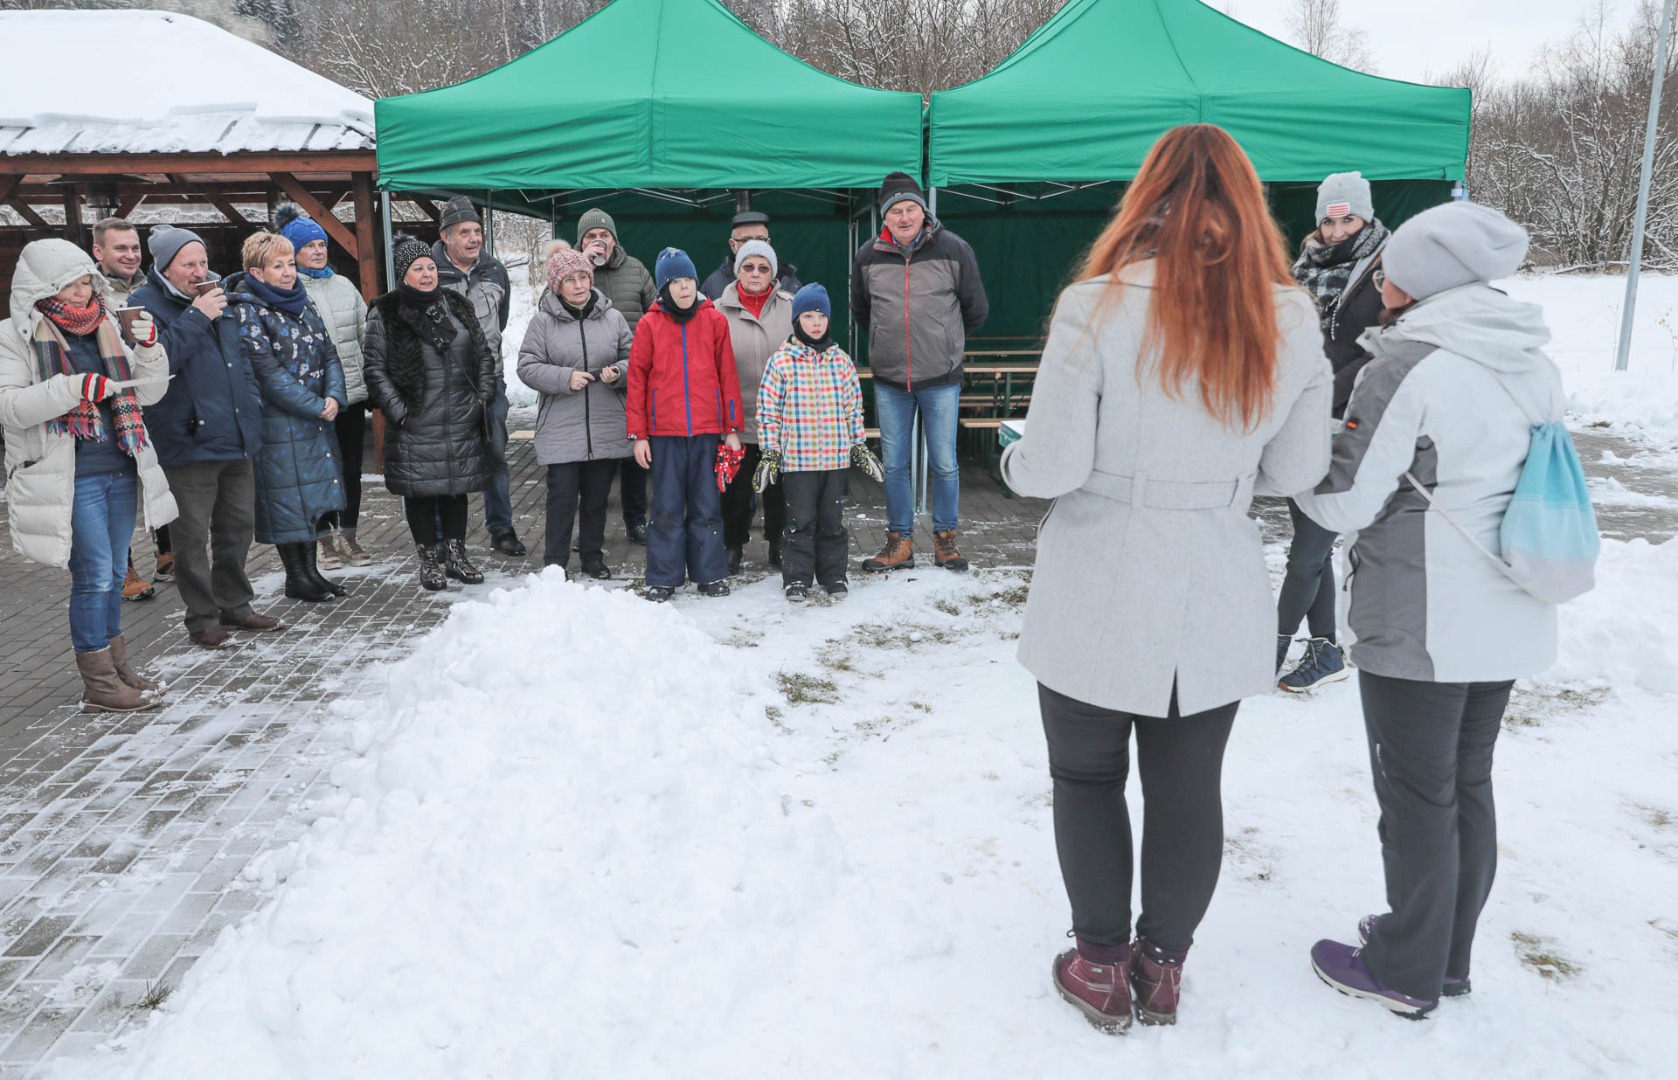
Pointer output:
x,y
207,429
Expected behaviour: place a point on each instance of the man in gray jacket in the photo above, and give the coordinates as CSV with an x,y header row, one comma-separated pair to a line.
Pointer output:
x,y
916,288
466,268
624,280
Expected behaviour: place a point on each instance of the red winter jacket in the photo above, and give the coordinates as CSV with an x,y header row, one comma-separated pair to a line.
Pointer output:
x,y
681,376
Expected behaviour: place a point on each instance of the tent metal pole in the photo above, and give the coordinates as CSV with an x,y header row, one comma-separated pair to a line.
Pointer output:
x,y
489,222
390,241
1635,264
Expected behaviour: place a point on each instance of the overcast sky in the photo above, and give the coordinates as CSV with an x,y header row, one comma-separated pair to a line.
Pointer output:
x,y
1411,37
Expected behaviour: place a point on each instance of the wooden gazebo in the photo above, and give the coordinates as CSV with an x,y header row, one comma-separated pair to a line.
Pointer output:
x,y
215,152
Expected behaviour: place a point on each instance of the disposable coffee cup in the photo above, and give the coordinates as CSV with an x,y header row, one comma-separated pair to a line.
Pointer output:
x,y
205,287
125,319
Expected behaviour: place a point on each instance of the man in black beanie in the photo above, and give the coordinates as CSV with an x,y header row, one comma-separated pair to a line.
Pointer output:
x,y
916,288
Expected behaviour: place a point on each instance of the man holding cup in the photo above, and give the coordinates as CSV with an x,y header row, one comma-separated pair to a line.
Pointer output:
x,y
624,280
207,429
116,247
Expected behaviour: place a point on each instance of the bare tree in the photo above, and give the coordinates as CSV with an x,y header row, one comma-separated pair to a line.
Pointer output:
x,y
1315,26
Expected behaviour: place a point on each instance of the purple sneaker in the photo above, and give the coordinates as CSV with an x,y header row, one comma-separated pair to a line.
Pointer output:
x,y
1454,987
1341,966
1096,980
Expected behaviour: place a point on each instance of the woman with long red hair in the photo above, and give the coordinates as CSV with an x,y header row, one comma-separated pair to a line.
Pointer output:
x,y
1183,372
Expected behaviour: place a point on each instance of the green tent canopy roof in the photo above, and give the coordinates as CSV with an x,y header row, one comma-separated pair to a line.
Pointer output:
x,y
648,94
1087,94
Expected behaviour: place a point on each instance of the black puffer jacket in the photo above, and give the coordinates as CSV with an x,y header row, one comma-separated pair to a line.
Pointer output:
x,y
434,396
1359,309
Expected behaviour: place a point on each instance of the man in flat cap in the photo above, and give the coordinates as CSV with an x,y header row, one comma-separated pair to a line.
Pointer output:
x,y
747,225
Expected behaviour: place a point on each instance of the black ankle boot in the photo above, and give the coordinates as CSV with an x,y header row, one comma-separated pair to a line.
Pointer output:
x,y
311,559
299,583
431,572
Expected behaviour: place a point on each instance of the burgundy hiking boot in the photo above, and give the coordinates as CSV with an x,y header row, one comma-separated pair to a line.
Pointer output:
x,y
898,554
1342,967
1454,987
1093,978
1156,975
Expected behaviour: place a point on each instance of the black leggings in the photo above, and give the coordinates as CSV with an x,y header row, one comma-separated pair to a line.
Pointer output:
x,y
424,512
1180,759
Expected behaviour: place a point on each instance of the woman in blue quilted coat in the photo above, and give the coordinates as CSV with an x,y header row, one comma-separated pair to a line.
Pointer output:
x,y
298,478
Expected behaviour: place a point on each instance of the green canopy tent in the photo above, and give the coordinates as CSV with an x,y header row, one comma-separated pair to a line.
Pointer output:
x,y
668,114
1030,157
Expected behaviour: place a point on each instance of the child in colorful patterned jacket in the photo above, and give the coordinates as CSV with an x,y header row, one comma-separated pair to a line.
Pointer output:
x,y
809,419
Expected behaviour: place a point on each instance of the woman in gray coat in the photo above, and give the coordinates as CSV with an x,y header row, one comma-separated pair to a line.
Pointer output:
x,y
575,354
433,374
1183,372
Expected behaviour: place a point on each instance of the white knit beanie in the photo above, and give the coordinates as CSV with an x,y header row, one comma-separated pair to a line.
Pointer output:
x,y
1345,193
761,249
1452,245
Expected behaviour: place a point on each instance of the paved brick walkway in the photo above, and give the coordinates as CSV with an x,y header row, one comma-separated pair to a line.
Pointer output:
x,y
126,843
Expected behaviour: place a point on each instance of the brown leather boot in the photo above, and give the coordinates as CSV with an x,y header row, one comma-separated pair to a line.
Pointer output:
x,y
103,689
944,551
135,587
898,554
125,670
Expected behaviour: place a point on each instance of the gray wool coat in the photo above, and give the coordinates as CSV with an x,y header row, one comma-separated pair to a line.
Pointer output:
x,y
586,424
1150,572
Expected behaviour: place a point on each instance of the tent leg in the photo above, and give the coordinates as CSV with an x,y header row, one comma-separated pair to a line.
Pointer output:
x,y
390,241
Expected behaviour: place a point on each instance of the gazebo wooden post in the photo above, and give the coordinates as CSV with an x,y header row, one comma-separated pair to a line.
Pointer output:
x,y
361,190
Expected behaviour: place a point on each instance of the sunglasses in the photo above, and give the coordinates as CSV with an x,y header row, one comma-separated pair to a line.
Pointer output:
x,y
754,268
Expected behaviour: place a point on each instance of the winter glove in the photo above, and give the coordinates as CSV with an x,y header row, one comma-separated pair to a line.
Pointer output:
x,y
728,465
768,470
864,459
95,388
144,330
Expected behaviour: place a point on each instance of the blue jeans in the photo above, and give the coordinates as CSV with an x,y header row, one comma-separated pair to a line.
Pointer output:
x,y
498,499
939,408
101,525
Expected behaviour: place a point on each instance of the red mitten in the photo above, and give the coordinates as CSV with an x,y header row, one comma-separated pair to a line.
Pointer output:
x,y
728,465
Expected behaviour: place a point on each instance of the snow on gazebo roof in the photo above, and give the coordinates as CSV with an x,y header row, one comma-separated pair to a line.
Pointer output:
x,y
194,88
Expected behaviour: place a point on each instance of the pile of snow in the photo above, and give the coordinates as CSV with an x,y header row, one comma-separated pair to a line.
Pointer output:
x,y
1583,313
590,836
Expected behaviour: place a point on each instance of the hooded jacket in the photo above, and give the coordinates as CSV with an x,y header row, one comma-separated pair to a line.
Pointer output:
x,y
1449,397
437,440
918,305
41,464
299,478
576,425
755,339
345,312
682,379
213,410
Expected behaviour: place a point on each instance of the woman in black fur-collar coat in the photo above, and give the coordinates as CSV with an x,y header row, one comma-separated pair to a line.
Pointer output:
x,y
432,372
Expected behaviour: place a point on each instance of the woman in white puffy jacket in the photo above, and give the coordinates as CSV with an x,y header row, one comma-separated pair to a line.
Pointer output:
x,y
79,462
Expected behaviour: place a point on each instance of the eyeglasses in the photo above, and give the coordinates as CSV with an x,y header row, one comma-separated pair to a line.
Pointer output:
x,y
1379,277
754,268
738,240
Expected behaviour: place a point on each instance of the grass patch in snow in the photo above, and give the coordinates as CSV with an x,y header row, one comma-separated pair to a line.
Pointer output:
x,y
773,714
836,656
801,689
906,637
1656,817
920,706
1530,706
947,607
154,997
1245,850
1539,954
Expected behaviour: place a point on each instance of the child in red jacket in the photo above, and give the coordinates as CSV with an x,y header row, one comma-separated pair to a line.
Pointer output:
x,y
684,398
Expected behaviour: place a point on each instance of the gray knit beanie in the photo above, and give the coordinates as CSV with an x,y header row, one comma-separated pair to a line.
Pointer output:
x,y
762,250
1452,245
166,241
595,218
1345,193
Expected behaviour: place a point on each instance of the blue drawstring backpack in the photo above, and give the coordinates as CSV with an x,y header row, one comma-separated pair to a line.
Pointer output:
x,y
1549,536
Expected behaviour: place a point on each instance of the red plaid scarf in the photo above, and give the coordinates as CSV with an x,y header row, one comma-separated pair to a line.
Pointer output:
x,y
52,356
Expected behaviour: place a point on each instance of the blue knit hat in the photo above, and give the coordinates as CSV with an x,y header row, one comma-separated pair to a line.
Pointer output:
x,y
811,297
672,263
297,226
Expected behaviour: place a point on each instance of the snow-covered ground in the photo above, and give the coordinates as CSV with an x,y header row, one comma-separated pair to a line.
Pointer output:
x,y
579,835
